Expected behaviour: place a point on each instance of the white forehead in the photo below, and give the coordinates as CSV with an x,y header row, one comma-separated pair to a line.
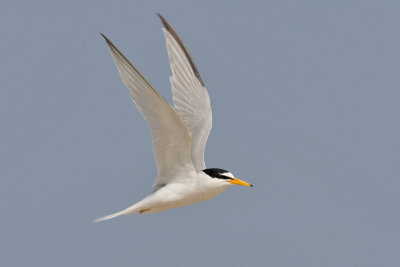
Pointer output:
x,y
227,174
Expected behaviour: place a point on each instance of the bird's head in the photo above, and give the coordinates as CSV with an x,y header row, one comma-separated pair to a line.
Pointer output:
x,y
225,176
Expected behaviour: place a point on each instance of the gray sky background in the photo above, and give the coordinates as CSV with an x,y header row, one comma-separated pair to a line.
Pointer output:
x,y
305,98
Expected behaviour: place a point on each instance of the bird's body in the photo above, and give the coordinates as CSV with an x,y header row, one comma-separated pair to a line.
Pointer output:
x,y
179,134
177,194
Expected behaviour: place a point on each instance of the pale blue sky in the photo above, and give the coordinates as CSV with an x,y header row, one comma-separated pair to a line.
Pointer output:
x,y
305,96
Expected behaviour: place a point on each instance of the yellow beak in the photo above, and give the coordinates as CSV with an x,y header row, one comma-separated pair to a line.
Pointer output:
x,y
239,182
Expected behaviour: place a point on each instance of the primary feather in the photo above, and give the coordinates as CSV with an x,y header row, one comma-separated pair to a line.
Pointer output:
x,y
190,96
170,137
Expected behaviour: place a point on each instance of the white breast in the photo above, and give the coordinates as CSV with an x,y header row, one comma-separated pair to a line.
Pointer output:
x,y
184,191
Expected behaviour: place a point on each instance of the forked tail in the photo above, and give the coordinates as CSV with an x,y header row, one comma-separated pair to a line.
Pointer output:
x,y
109,216
129,210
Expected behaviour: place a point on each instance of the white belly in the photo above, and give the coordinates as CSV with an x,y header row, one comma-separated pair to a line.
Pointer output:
x,y
180,194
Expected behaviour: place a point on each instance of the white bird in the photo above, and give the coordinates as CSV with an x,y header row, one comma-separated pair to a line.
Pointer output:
x,y
179,134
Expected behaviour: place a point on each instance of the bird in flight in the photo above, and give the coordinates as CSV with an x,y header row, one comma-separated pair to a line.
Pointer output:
x,y
179,133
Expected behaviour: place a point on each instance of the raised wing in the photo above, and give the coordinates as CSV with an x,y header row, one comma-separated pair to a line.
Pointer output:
x,y
190,96
171,138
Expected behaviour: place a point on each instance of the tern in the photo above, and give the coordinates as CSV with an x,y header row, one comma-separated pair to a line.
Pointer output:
x,y
179,133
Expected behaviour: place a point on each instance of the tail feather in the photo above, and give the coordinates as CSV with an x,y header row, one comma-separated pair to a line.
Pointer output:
x,y
110,216
129,210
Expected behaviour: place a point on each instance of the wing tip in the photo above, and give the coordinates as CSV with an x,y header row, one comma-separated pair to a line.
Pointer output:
x,y
178,39
164,22
106,39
